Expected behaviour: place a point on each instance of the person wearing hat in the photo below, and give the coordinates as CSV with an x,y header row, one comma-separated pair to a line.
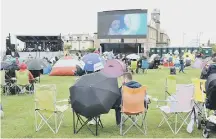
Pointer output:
x,y
23,68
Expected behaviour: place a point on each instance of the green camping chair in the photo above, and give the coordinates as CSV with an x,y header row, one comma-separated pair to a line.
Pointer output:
x,y
47,108
22,81
133,66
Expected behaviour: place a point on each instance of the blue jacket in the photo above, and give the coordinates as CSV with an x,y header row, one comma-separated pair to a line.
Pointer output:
x,y
133,84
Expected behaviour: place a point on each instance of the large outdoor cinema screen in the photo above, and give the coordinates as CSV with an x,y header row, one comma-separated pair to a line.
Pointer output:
x,y
122,24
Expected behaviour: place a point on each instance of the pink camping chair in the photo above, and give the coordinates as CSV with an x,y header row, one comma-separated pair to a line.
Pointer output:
x,y
177,104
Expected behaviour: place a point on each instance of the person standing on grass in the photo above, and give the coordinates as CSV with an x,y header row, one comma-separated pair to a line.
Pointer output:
x,y
181,65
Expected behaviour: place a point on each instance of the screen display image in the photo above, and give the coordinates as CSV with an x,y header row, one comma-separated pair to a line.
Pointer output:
x,y
122,25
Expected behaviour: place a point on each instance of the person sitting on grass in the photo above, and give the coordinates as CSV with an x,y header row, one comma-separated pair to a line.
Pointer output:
x,y
127,80
23,69
212,68
204,72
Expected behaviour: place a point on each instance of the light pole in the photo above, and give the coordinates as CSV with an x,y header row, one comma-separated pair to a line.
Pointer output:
x,y
183,39
201,33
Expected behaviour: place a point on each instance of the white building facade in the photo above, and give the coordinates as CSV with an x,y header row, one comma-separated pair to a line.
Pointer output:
x,y
79,42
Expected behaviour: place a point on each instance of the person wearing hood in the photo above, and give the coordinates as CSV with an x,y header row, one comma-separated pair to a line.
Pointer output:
x,y
23,68
16,54
127,80
204,72
8,51
212,67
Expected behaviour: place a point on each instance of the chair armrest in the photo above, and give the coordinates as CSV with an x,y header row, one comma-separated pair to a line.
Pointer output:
x,y
63,100
167,101
157,106
13,79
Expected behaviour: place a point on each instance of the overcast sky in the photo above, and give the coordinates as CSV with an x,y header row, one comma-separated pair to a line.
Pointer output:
x,y
80,16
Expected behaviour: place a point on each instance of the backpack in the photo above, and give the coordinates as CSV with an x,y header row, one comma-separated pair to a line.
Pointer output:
x,y
172,70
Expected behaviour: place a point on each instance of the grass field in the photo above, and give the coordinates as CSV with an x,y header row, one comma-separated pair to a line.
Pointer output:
x,y
19,111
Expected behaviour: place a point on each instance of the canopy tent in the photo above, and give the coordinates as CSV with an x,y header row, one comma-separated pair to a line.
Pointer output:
x,y
65,67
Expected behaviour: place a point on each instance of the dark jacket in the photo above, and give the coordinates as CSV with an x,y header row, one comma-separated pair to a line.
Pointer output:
x,y
204,73
181,61
131,84
8,52
211,69
16,54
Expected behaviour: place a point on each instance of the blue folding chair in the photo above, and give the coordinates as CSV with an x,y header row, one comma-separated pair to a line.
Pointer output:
x,y
145,66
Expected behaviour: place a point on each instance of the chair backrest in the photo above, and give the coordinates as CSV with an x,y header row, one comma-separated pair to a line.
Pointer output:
x,y
184,97
170,85
45,97
2,77
145,64
199,86
22,77
133,64
133,99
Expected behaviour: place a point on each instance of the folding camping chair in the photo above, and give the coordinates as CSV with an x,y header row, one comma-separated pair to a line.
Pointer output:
x,y
22,82
4,87
80,121
133,66
133,108
46,107
181,102
170,85
199,100
145,66
9,82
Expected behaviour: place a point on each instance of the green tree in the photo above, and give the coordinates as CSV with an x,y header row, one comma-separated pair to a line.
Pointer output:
x,y
214,48
90,50
67,46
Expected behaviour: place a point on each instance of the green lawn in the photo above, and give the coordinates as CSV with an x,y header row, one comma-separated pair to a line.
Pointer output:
x,y
19,111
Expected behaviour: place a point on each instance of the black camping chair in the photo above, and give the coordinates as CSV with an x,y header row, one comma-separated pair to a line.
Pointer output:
x,y
79,123
156,64
36,74
10,83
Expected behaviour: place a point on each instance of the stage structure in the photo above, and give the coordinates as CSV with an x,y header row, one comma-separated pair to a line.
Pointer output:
x,y
35,43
